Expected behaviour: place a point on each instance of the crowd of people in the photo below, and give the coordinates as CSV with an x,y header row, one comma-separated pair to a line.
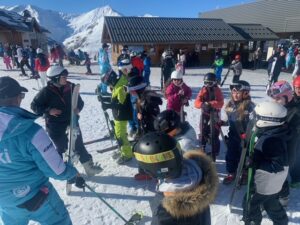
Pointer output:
x,y
166,146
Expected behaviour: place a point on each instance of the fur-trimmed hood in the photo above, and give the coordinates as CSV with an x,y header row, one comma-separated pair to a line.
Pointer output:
x,y
190,203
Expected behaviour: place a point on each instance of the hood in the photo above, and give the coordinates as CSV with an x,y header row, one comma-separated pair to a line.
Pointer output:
x,y
14,121
190,203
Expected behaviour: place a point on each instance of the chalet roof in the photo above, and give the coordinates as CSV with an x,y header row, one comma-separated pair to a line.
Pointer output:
x,y
142,30
254,32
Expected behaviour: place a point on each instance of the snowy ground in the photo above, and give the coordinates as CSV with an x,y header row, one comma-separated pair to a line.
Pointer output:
x,y
116,184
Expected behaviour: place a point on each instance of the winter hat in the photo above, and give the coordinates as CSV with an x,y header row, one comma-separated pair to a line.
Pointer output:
x,y
10,88
191,176
39,50
176,75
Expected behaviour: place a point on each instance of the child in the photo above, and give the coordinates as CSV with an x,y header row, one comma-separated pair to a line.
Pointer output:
x,y
269,163
238,111
237,68
122,112
178,93
41,66
7,61
147,106
168,122
87,63
210,100
187,185
218,66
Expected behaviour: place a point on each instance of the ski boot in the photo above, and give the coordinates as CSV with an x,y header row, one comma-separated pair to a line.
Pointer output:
x,y
91,169
229,179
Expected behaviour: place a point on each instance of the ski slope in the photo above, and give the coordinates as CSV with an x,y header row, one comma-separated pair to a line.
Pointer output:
x,y
116,184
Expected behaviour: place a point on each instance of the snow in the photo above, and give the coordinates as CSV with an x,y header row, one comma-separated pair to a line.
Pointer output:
x,y
116,184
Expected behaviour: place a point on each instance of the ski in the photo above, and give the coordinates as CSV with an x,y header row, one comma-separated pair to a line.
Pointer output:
x,y
74,131
105,138
225,77
114,147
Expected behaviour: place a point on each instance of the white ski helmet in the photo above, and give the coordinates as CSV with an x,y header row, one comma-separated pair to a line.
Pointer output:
x,y
270,114
125,64
176,75
55,71
39,50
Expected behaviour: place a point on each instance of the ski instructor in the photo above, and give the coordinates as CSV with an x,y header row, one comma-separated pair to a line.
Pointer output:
x,y
54,101
27,159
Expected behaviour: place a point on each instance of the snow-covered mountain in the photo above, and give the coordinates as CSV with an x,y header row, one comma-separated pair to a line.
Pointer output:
x,y
75,31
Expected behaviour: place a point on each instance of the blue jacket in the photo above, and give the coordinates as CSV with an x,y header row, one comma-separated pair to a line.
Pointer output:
x,y
103,62
147,64
27,157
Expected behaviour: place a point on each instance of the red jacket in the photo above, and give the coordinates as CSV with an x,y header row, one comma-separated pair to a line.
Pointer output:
x,y
39,67
203,96
138,63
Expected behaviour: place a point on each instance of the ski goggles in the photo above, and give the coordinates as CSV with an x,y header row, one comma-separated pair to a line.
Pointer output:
x,y
209,83
238,87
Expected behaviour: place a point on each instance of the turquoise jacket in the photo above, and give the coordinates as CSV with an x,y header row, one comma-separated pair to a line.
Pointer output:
x,y
103,61
27,157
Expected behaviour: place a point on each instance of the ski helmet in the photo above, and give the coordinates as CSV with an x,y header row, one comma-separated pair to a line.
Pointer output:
x,y
39,50
281,89
125,64
237,57
210,79
296,82
110,78
270,114
159,155
136,83
176,75
133,54
167,121
54,72
240,85
104,45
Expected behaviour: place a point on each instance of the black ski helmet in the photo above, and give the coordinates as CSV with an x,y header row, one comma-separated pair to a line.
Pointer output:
x,y
110,78
136,83
167,121
210,79
159,155
240,85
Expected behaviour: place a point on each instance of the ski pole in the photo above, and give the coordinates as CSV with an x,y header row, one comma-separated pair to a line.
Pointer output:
x,y
133,220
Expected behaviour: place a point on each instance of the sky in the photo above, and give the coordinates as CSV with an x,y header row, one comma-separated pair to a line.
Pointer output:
x,y
162,8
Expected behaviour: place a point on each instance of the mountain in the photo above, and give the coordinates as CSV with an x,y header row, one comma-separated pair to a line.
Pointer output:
x,y
82,31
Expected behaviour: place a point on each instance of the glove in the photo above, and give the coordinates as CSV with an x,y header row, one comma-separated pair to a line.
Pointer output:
x,y
79,182
243,136
206,106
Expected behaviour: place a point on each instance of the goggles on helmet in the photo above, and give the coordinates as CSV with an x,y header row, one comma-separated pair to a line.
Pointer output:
x,y
238,87
64,73
209,83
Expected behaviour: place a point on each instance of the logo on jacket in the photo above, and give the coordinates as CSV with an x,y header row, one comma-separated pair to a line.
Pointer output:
x,y
22,191
4,157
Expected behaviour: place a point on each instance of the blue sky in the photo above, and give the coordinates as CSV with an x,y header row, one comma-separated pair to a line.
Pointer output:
x,y
166,8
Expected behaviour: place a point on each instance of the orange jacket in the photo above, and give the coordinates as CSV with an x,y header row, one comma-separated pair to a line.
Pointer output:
x,y
203,96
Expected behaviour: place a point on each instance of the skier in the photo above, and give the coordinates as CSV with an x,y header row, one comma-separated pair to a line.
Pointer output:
x,y
237,68
54,101
167,67
187,185
24,61
169,122
41,66
28,159
104,66
238,110
87,63
257,59
60,54
7,61
296,71
121,109
177,93
275,64
218,67
182,60
147,65
210,100
268,160
147,105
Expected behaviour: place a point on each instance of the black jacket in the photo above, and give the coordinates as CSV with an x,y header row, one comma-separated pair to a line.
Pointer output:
x,y
148,106
51,97
191,207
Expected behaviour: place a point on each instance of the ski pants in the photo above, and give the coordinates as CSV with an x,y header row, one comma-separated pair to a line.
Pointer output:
x,y
205,133
121,135
146,75
60,139
51,212
134,123
23,63
294,157
235,78
275,211
88,68
218,72
233,153
43,78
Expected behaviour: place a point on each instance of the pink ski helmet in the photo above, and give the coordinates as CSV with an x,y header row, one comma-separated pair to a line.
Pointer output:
x,y
281,89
